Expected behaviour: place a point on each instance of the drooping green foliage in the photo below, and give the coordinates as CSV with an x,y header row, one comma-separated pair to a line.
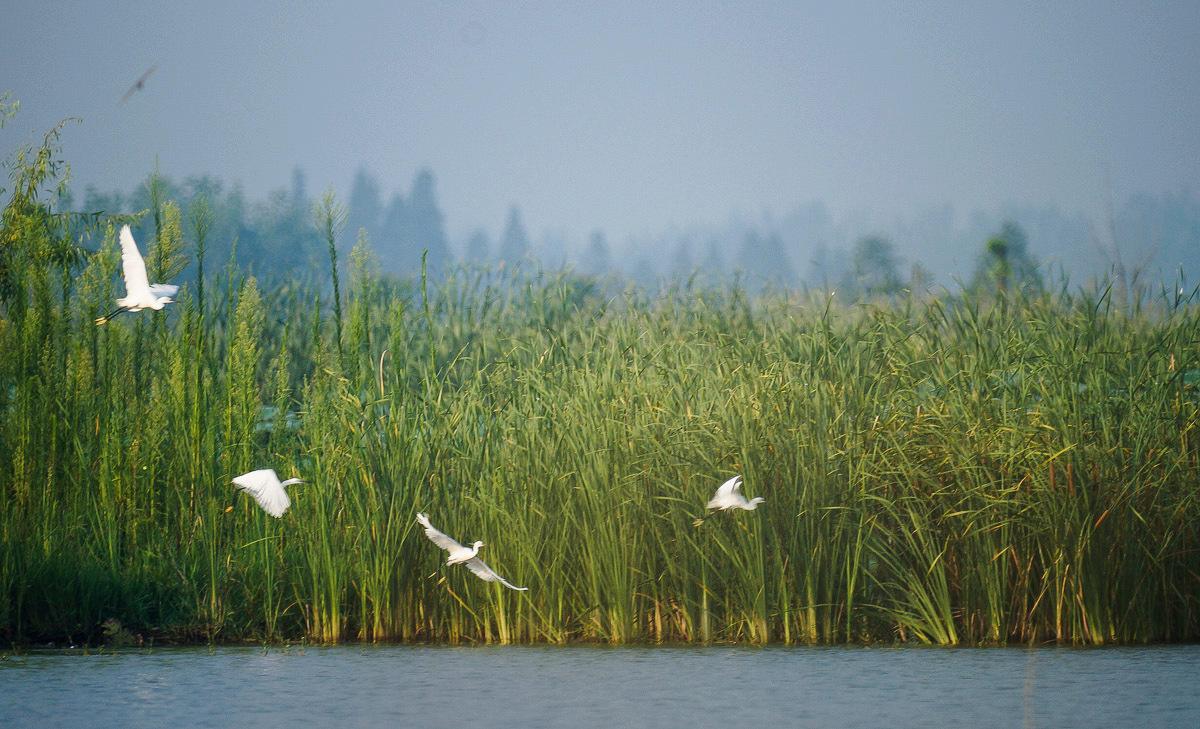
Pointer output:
x,y
934,471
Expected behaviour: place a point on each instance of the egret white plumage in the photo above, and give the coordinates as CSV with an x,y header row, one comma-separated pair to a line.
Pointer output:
x,y
464,555
139,292
267,490
729,496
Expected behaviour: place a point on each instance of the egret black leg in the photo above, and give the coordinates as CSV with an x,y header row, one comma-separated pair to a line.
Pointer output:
x,y
104,319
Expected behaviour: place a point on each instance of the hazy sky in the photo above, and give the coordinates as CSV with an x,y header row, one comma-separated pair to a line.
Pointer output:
x,y
630,116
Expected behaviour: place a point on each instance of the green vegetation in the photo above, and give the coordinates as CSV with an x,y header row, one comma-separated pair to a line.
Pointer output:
x,y
1012,469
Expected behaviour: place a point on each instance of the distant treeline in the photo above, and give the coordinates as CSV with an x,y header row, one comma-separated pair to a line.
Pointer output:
x,y
1144,243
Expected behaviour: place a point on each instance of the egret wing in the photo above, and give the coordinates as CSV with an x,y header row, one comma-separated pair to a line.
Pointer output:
x,y
487,574
274,500
254,481
163,289
730,487
436,536
264,486
133,268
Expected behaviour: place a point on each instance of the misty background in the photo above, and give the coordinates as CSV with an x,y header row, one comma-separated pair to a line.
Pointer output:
x,y
802,145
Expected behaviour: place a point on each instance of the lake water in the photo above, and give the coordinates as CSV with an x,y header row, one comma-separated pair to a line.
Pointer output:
x,y
604,687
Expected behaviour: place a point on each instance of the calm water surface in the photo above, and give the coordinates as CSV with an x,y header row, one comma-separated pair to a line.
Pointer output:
x,y
601,687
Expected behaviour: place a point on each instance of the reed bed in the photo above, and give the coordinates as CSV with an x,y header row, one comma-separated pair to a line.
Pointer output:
x,y
939,470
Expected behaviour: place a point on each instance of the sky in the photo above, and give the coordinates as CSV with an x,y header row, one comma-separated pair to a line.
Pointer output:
x,y
627,116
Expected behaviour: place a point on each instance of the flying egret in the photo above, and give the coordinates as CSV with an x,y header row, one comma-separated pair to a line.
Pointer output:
x,y
464,555
729,496
139,292
267,490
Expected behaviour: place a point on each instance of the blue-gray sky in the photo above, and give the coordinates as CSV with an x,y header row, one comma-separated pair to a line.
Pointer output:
x,y
629,116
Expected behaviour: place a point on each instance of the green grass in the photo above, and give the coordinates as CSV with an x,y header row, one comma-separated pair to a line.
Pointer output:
x,y
936,470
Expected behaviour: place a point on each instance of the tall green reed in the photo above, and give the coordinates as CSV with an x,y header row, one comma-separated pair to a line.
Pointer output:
x,y
944,470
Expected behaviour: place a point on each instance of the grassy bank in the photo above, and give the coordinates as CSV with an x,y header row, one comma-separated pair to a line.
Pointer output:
x,y
935,471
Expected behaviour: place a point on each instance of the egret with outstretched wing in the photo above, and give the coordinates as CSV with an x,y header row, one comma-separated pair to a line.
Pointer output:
x,y
463,555
139,292
267,490
729,496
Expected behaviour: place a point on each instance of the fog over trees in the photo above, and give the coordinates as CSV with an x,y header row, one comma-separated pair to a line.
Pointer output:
x,y
1146,241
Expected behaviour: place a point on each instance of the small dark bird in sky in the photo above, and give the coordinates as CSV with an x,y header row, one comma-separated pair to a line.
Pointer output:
x,y
139,84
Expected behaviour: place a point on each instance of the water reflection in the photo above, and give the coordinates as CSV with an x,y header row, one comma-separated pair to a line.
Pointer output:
x,y
601,687
1027,692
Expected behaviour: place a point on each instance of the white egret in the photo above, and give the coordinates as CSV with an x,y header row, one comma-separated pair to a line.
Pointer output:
x,y
464,555
729,496
139,292
267,490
